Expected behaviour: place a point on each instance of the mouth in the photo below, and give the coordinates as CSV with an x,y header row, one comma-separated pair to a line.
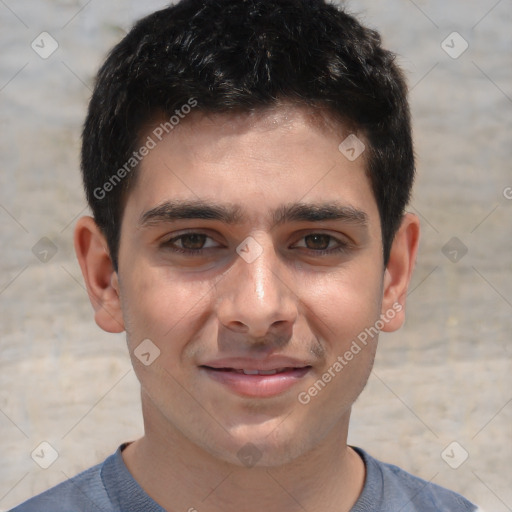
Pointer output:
x,y
253,372
257,382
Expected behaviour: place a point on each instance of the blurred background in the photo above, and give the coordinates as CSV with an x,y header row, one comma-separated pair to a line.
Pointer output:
x,y
439,401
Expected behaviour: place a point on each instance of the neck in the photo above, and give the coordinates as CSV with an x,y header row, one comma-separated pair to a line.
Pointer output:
x,y
179,475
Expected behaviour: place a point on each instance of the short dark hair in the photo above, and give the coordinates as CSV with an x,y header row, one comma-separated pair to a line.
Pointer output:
x,y
244,55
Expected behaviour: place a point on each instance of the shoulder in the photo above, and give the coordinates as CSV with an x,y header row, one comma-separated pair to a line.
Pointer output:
x,y
106,487
395,489
84,491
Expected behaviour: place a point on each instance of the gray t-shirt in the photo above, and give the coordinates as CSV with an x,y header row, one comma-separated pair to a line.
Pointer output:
x,y
109,487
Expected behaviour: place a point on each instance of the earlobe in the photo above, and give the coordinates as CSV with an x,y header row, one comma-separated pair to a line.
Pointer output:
x,y
398,272
100,277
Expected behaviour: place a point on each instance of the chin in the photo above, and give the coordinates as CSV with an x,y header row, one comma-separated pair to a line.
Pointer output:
x,y
264,445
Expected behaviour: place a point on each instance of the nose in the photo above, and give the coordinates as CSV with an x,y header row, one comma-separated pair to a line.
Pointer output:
x,y
256,295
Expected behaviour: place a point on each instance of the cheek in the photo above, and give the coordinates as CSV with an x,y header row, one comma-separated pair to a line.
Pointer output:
x,y
345,311
170,314
164,309
341,306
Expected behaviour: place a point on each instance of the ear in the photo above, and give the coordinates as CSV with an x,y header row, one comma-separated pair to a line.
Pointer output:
x,y
398,272
99,275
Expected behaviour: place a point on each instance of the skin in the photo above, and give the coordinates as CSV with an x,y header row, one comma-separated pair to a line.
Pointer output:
x,y
290,300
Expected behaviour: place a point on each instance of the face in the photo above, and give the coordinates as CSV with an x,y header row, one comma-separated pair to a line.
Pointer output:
x,y
251,243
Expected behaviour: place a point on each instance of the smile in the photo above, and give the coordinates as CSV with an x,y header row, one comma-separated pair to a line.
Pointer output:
x,y
255,372
257,383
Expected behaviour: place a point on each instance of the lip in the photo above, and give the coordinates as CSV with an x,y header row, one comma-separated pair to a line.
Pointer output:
x,y
252,363
257,386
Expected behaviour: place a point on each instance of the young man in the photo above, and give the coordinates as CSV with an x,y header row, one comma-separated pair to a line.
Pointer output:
x,y
248,164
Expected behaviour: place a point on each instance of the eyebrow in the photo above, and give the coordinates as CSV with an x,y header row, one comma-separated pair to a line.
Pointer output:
x,y
171,211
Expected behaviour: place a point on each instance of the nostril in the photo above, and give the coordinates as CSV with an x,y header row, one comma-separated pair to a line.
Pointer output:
x,y
238,326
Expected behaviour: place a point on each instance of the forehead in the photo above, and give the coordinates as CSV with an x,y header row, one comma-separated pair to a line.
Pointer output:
x,y
258,162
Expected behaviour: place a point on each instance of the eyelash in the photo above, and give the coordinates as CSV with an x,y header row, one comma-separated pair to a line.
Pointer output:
x,y
343,246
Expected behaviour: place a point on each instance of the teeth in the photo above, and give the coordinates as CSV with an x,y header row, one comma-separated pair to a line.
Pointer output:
x,y
262,372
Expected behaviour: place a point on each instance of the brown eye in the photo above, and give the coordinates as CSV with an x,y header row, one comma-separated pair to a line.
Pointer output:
x,y
319,242
322,244
190,243
193,241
